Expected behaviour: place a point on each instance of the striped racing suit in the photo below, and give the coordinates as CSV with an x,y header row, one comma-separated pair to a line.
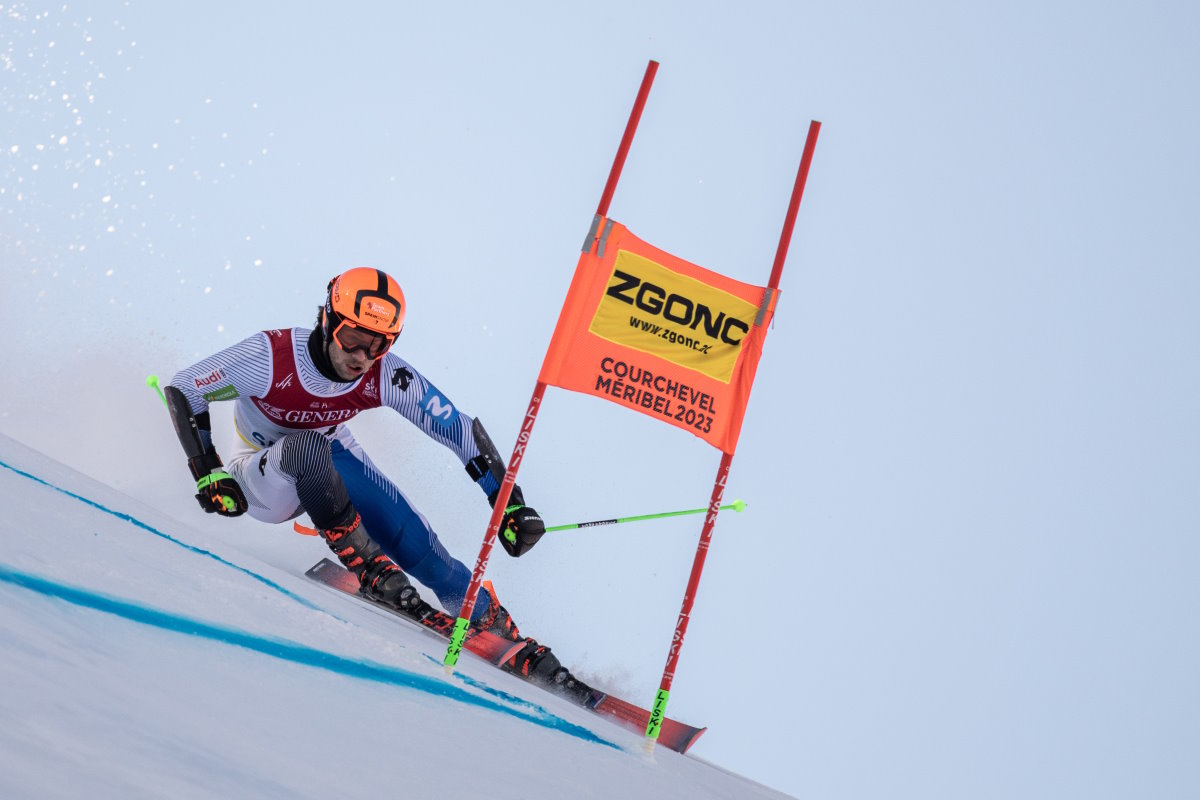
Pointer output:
x,y
283,403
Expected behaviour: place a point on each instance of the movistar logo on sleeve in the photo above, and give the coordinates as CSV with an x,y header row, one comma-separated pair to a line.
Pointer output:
x,y
438,408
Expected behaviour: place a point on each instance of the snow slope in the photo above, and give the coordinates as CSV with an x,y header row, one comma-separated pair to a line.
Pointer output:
x,y
142,659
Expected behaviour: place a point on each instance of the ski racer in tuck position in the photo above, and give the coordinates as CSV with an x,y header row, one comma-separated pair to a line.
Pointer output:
x,y
293,391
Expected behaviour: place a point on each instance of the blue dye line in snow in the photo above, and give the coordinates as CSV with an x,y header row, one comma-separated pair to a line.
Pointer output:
x,y
138,523
192,624
503,695
285,650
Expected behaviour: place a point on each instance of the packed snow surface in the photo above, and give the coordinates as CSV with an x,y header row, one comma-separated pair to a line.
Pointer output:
x,y
142,659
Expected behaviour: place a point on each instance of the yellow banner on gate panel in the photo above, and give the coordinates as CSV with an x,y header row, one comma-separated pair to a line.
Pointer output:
x,y
683,320
656,334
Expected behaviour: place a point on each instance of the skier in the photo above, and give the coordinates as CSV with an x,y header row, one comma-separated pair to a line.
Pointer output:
x,y
293,391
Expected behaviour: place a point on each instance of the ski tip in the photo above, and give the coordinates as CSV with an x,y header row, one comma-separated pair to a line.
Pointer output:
x,y
687,744
319,567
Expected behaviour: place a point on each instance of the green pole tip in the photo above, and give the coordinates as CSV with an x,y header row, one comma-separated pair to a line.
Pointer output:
x,y
152,382
739,505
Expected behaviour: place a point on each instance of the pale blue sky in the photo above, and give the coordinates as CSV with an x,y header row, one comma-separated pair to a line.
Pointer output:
x,y
971,455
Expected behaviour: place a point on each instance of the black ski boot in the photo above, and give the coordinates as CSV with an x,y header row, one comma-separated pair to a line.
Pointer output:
x,y
378,577
534,662
575,690
537,664
496,619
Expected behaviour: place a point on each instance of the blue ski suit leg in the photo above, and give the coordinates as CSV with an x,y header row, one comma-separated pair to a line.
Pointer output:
x,y
403,533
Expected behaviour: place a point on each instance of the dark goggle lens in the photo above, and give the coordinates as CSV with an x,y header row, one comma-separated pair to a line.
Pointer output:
x,y
372,343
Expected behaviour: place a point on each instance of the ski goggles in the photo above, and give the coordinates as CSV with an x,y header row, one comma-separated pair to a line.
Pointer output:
x,y
350,338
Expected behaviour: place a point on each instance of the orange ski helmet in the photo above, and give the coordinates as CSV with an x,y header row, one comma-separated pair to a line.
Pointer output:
x,y
364,310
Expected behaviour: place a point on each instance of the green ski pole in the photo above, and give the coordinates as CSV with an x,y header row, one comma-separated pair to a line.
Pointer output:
x,y
152,382
736,505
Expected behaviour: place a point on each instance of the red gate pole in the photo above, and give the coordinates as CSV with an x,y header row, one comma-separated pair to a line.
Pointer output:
x,y
659,710
635,116
459,635
789,222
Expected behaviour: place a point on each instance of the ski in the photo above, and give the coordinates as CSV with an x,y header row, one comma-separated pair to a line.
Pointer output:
x,y
672,734
488,646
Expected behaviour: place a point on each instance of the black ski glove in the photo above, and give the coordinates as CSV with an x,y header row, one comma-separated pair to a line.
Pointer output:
x,y
521,526
216,491
520,529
